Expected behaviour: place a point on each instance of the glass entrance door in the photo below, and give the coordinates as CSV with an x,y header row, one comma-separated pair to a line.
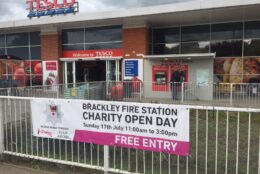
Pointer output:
x,y
113,70
69,73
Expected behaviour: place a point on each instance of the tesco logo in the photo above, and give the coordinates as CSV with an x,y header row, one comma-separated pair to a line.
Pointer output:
x,y
43,5
104,53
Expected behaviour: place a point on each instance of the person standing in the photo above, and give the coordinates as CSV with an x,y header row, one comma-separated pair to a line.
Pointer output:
x,y
175,79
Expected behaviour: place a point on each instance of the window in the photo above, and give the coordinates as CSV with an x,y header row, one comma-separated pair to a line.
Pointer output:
x,y
151,35
195,47
35,78
195,33
168,35
228,70
25,46
21,52
19,39
73,36
106,34
95,38
35,53
73,47
252,29
101,46
2,51
2,41
168,48
35,38
227,48
251,65
227,31
251,47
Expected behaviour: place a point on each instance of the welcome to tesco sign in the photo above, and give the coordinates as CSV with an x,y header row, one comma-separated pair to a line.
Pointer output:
x,y
40,8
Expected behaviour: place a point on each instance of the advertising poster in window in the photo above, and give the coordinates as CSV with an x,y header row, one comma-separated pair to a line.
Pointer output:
x,y
251,70
145,126
133,68
13,71
22,73
34,68
237,70
50,73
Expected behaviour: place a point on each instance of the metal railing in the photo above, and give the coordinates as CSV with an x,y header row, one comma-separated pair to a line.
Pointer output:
x,y
223,140
220,94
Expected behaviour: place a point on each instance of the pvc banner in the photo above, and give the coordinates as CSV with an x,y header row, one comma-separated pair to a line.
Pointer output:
x,y
50,73
152,127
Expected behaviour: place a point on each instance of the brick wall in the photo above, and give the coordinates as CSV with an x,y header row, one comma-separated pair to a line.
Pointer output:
x,y
51,50
135,41
50,46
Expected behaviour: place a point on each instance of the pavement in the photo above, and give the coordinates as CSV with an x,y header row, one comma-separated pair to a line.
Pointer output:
x,y
6,168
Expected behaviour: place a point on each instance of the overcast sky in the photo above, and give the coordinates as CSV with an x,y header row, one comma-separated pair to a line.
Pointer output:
x,y
16,9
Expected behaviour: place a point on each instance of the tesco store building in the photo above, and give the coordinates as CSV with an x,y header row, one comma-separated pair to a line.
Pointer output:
x,y
207,41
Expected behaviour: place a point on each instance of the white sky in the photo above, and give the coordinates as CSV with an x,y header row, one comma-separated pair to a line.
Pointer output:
x,y
16,9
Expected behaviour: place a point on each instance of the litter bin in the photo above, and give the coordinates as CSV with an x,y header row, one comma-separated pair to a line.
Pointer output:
x,y
127,89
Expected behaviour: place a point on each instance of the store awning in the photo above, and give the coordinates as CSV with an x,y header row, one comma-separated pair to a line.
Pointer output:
x,y
89,59
195,56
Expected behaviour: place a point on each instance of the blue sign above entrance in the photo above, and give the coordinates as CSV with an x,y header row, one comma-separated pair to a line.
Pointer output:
x,y
131,68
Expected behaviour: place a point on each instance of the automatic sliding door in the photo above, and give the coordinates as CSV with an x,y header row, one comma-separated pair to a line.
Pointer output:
x,y
69,73
113,70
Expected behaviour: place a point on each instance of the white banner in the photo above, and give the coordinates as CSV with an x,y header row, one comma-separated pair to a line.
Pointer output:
x,y
156,127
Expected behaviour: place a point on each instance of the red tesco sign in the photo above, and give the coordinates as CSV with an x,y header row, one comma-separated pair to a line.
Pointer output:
x,y
110,53
41,5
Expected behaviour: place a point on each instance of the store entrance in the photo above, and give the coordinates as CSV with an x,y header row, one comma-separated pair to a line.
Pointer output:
x,y
90,71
